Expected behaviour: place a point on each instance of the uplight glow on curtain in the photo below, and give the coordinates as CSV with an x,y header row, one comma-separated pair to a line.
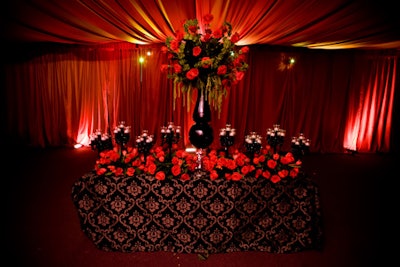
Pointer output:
x,y
369,124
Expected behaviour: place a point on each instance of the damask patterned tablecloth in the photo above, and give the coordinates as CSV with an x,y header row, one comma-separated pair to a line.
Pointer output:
x,y
141,213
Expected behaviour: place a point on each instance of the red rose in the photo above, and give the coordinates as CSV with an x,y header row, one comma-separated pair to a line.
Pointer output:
x,y
192,166
208,18
130,171
225,28
258,173
150,158
290,156
217,34
174,44
111,167
180,153
244,50
231,164
240,161
205,62
176,170
206,37
136,163
266,174
196,51
193,29
101,171
160,175
294,172
207,165
235,37
222,70
275,178
114,155
151,168
236,176
185,177
213,175
175,160
192,74
177,68
285,160
239,75
271,164
283,173
237,62
245,170
256,160
118,171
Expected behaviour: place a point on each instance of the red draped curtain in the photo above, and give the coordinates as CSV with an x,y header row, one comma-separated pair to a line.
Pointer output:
x,y
80,70
56,95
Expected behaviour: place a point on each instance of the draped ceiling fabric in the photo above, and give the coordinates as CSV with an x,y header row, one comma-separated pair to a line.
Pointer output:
x,y
334,24
74,68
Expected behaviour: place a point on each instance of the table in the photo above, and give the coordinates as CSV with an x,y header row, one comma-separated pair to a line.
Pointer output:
x,y
141,213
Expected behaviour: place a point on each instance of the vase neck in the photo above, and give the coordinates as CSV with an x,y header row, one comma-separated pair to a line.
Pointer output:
x,y
202,111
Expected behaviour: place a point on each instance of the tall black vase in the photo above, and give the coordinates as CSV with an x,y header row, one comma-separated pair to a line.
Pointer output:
x,y
201,134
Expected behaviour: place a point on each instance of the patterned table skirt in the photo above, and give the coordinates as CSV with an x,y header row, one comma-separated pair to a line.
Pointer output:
x,y
141,213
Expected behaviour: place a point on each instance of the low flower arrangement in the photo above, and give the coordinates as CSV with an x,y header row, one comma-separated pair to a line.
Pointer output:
x,y
178,164
209,61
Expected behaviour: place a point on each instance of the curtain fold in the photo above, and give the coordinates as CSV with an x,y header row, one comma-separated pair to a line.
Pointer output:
x,y
370,118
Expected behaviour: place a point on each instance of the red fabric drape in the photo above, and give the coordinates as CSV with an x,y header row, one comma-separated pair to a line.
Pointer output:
x,y
334,24
370,119
59,94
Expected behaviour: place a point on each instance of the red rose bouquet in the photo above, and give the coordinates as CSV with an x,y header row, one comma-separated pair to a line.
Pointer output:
x,y
209,61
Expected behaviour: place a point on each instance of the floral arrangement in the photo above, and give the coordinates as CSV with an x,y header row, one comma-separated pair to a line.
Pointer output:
x,y
209,61
178,164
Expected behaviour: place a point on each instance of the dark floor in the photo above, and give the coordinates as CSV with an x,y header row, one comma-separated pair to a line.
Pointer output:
x,y
41,225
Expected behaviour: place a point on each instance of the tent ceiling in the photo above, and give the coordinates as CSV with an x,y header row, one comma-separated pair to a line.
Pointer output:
x,y
333,24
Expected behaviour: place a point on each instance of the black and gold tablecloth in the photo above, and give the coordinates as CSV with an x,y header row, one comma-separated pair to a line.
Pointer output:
x,y
141,213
